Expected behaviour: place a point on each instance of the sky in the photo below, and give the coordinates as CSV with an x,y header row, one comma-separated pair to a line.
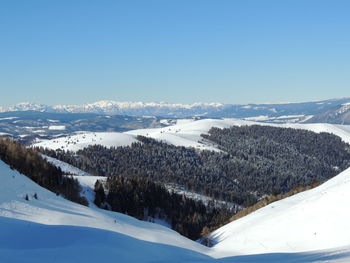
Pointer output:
x,y
179,51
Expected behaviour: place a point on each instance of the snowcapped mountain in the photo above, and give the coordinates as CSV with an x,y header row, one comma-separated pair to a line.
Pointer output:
x,y
26,106
122,108
339,115
108,106
294,111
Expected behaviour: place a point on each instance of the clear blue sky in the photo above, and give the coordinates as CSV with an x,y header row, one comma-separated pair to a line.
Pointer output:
x,y
72,52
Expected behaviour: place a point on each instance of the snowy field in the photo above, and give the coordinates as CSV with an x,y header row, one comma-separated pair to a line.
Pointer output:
x,y
186,133
80,140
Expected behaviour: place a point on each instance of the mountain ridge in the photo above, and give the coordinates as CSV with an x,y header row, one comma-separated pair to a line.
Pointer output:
x,y
339,115
178,110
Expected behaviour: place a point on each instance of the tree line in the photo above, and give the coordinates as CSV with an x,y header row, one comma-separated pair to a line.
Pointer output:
x,y
255,161
28,162
143,199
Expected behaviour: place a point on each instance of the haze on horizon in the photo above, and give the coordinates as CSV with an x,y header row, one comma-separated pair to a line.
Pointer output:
x,y
232,52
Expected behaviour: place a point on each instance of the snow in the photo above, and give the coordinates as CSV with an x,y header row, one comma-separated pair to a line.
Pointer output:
x,y
306,118
50,209
258,118
184,121
52,229
343,131
186,133
87,183
113,107
246,107
57,127
33,242
309,227
203,198
86,180
77,141
165,122
65,167
8,118
313,220
189,134
343,109
280,119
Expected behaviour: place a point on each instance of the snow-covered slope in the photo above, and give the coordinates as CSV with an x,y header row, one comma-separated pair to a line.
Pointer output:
x,y
29,242
52,229
189,134
340,114
50,209
66,167
313,220
77,141
185,133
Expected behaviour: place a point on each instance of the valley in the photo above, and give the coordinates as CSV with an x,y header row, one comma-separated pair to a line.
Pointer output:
x,y
201,164
174,131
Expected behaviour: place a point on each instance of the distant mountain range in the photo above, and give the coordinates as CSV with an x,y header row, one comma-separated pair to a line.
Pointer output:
x,y
267,112
26,124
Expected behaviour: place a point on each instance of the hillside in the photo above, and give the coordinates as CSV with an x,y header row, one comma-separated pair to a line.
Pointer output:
x,y
51,226
28,125
81,140
249,163
312,220
185,133
337,115
52,229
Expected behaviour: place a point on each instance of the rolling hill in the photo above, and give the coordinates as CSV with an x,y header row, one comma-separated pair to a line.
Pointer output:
x,y
51,229
186,133
337,115
312,220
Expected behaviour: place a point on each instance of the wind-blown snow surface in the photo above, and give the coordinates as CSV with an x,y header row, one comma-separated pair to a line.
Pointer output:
x,y
313,220
185,133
